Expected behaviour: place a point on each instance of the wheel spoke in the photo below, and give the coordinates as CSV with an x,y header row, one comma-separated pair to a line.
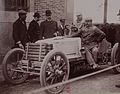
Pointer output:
x,y
11,74
52,63
17,75
50,67
62,66
50,76
55,58
20,75
14,75
59,61
52,81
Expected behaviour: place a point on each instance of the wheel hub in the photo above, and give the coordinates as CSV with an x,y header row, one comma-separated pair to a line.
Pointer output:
x,y
58,72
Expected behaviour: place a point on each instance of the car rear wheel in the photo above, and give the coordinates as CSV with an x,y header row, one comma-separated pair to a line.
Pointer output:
x,y
114,56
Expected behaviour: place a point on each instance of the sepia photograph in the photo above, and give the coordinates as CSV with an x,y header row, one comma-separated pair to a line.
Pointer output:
x,y
59,47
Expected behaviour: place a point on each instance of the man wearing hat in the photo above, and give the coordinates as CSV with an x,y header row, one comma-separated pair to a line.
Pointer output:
x,y
91,36
34,29
78,24
20,34
79,21
48,28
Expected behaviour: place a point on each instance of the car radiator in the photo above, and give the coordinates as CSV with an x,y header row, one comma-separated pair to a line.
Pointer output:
x,y
37,52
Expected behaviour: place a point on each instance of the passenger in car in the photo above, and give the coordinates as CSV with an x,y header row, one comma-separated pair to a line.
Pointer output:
x,y
78,24
91,36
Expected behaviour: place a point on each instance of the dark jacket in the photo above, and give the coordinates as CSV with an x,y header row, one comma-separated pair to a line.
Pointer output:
x,y
48,28
110,32
90,36
117,35
34,31
20,32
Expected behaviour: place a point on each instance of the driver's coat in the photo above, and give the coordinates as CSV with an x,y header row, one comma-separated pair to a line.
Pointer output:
x,y
90,36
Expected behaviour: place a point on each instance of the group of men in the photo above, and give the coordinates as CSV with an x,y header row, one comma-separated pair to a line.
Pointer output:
x,y
91,36
22,35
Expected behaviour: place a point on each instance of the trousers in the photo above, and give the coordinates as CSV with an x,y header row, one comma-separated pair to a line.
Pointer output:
x,y
91,55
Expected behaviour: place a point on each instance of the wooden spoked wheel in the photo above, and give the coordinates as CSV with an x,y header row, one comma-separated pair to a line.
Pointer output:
x,y
12,62
55,68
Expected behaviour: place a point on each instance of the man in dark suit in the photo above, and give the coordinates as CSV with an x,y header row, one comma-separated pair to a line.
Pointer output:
x,y
20,34
34,29
48,28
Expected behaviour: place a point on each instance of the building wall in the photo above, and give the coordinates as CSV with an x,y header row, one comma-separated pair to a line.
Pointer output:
x,y
70,11
90,8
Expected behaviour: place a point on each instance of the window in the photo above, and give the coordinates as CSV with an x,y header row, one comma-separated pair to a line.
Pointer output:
x,y
14,5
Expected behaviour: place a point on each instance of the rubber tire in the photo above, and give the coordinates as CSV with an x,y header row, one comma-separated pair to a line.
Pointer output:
x,y
4,67
42,72
113,56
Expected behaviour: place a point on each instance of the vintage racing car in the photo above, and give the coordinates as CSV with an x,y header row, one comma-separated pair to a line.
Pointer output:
x,y
51,60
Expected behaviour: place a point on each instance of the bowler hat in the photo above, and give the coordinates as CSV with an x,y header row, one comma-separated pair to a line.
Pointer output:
x,y
48,12
118,12
22,12
36,14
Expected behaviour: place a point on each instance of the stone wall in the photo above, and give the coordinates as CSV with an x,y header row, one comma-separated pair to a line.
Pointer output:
x,y
58,8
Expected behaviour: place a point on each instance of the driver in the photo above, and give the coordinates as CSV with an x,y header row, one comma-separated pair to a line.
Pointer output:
x,y
91,36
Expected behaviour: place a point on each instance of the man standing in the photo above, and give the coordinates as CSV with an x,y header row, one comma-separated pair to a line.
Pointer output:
x,y
48,28
91,36
34,29
20,34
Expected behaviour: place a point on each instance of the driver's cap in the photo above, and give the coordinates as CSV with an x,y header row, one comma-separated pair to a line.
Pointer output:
x,y
88,19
